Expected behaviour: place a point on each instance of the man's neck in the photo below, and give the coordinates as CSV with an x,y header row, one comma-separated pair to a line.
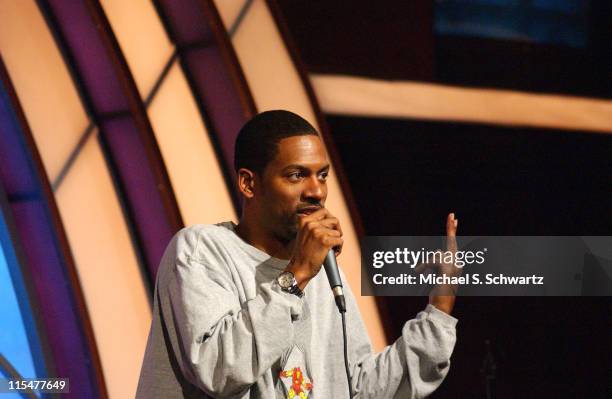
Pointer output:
x,y
252,234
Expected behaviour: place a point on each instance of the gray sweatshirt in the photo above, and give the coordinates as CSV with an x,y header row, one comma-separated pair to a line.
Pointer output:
x,y
222,327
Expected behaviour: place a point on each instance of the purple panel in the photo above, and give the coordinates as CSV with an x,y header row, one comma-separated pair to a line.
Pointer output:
x,y
15,172
46,262
218,93
185,19
88,50
106,84
57,312
213,72
128,151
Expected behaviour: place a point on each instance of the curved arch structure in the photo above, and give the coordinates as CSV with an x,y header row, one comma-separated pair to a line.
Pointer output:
x,y
210,64
63,322
111,97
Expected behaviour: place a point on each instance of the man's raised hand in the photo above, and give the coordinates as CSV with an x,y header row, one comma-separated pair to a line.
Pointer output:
x,y
317,234
442,296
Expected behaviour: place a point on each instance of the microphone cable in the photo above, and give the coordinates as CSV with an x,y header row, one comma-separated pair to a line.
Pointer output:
x,y
346,362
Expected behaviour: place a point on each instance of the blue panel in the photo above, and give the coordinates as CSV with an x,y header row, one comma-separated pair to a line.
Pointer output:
x,y
13,340
559,22
566,6
18,342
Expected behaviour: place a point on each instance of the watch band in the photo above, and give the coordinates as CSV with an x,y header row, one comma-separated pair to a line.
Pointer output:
x,y
295,290
287,282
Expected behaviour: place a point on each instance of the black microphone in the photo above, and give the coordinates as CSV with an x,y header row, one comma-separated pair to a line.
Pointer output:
x,y
331,269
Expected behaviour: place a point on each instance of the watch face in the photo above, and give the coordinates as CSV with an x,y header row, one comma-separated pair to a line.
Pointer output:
x,y
286,279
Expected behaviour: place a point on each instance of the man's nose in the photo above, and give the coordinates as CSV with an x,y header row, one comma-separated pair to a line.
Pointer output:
x,y
315,189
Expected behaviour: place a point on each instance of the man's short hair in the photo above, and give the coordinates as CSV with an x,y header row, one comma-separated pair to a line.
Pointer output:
x,y
257,141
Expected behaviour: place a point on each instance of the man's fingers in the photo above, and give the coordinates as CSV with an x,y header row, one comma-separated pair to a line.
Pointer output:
x,y
451,225
331,238
325,231
332,223
333,242
324,217
451,232
317,215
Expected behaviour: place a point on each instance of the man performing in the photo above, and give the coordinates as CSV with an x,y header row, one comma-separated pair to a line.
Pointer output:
x,y
242,311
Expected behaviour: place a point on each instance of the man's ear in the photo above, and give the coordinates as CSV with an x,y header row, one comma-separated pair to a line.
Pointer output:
x,y
246,182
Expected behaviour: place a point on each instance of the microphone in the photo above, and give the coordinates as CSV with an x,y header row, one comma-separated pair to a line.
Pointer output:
x,y
333,275
331,269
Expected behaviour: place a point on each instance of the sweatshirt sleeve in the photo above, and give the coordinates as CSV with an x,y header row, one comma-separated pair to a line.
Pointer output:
x,y
412,367
223,347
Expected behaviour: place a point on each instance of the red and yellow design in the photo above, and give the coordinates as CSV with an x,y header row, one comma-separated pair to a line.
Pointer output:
x,y
299,388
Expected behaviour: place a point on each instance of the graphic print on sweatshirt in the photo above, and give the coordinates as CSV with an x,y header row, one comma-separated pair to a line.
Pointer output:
x,y
294,376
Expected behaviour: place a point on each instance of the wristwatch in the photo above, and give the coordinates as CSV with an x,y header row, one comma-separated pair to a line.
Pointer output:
x,y
286,280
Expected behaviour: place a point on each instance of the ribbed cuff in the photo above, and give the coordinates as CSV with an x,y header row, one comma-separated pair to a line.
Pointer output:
x,y
439,316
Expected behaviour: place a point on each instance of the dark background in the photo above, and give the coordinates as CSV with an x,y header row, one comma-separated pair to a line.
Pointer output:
x,y
498,180
396,39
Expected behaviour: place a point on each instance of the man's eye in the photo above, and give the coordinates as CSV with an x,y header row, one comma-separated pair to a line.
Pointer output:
x,y
295,176
323,176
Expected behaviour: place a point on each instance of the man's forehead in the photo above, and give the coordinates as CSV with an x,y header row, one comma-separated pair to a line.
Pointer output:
x,y
306,150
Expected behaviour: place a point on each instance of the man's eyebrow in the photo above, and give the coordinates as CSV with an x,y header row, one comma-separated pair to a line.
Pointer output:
x,y
302,167
294,166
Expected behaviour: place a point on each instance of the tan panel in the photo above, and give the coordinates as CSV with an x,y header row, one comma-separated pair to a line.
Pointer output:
x,y
348,95
275,84
188,153
142,39
107,268
42,82
229,11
